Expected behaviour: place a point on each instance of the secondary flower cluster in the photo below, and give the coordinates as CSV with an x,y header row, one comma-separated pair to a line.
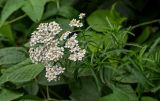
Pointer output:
x,y
45,47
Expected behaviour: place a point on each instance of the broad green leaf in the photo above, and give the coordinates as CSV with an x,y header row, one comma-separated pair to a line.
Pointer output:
x,y
147,98
12,55
95,40
34,9
7,95
115,96
6,32
128,91
21,74
86,90
51,10
31,87
67,12
97,20
10,7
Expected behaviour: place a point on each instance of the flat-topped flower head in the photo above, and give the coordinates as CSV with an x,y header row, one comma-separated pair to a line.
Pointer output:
x,y
48,47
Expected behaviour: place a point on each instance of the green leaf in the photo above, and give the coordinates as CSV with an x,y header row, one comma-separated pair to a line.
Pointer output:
x,y
144,35
95,40
32,88
10,7
6,32
7,95
97,20
128,91
147,98
34,9
67,12
30,98
4,79
21,74
85,91
51,10
12,55
115,96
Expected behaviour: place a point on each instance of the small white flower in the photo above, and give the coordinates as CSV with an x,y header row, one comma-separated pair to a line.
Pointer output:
x,y
36,54
77,55
82,15
71,42
54,28
54,53
64,36
75,23
53,72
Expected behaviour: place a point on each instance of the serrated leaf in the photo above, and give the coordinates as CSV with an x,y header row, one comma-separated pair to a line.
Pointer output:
x,y
12,55
7,95
10,7
21,74
34,9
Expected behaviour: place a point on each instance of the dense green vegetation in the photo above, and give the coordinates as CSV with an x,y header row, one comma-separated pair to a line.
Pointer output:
x,y
122,42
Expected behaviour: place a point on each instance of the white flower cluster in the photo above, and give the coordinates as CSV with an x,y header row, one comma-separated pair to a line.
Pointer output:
x,y
76,52
82,15
45,47
77,23
52,72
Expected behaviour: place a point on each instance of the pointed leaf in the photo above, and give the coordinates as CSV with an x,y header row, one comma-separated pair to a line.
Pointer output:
x,y
34,9
10,7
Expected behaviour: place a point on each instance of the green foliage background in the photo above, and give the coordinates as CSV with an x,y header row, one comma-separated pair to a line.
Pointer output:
x,y
122,39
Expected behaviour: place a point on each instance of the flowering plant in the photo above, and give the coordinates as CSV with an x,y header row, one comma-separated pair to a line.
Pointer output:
x,y
57,55
49,44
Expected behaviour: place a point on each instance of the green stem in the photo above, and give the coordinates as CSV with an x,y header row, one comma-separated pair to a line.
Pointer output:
x,y
16,19
58,5
48,96
145,23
